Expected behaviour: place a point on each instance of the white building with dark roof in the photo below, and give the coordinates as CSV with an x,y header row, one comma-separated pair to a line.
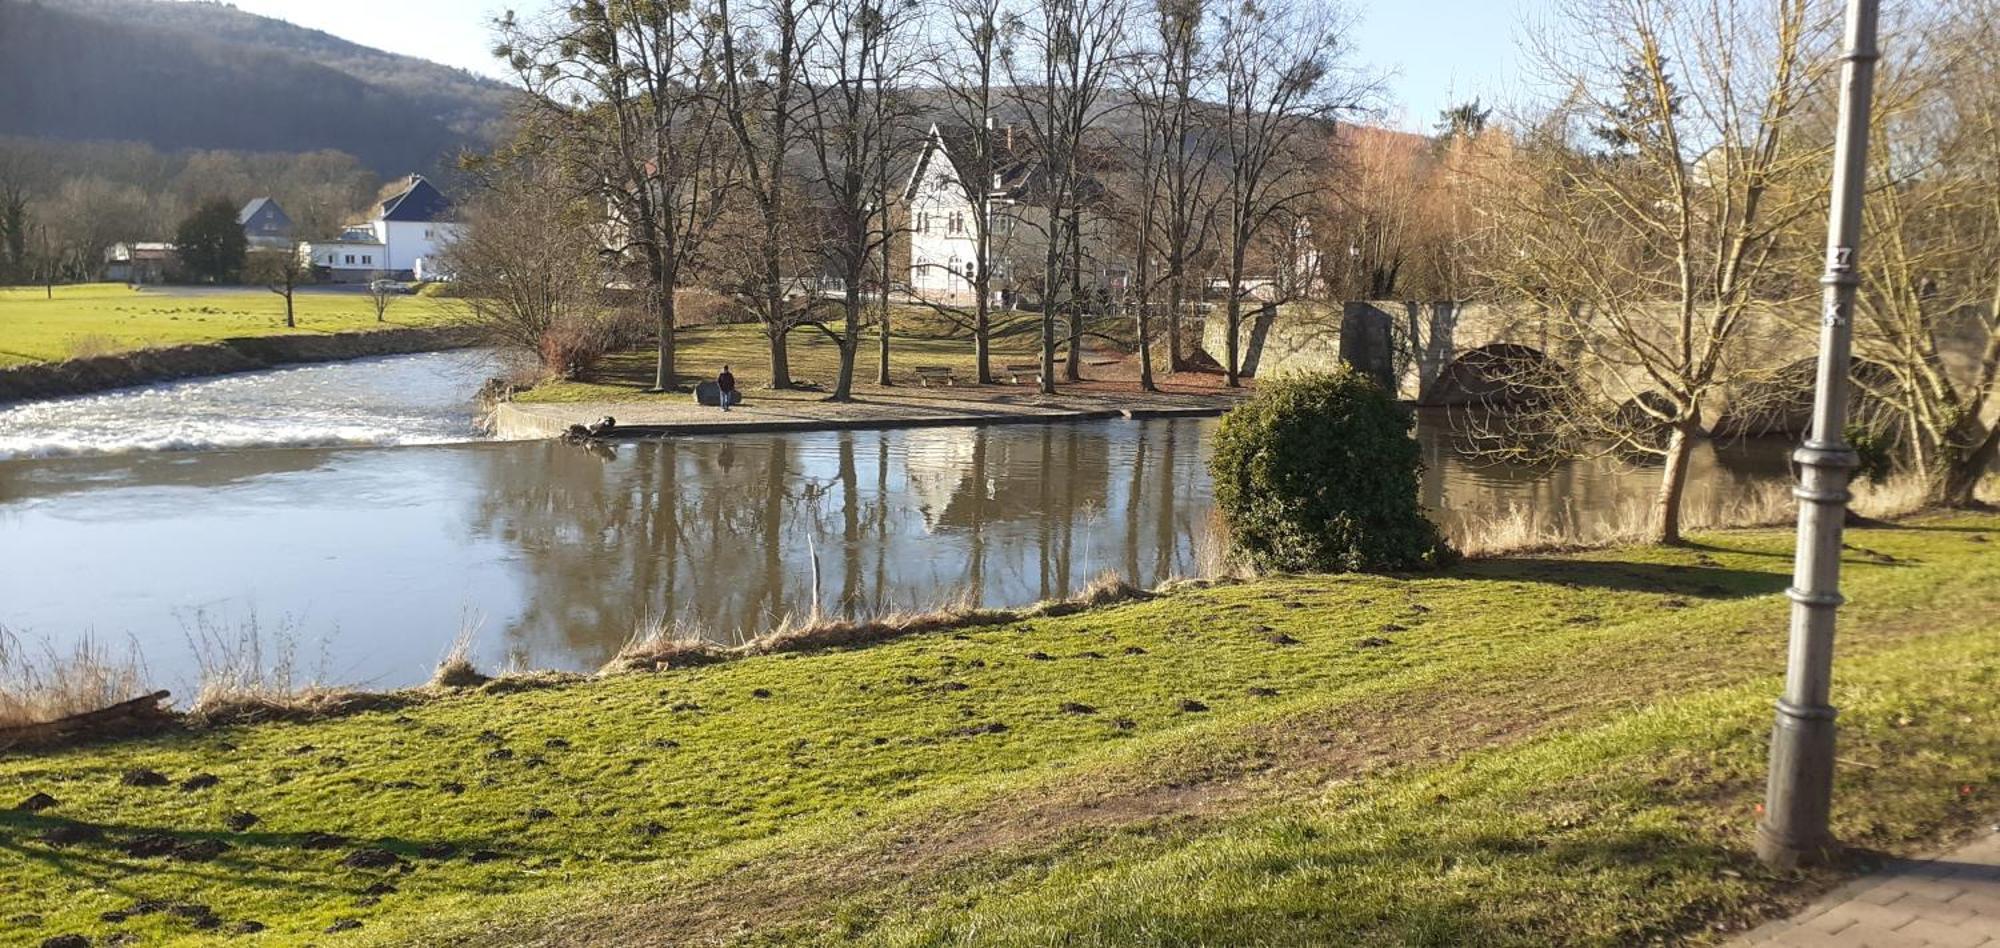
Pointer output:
x,y
944,222
410,229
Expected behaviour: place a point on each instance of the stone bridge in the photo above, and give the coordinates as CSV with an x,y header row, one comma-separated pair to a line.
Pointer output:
x,y
1449,353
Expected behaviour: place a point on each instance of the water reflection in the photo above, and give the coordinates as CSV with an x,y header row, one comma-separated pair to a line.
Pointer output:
x,y
735,535
1581,498
382,552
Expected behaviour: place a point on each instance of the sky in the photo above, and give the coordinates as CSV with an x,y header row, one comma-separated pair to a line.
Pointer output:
x,y
1433,53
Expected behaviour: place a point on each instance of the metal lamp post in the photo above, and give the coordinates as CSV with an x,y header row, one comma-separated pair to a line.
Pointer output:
x,y
1799,797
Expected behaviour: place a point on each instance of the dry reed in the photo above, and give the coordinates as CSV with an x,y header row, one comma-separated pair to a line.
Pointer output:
x,y
42,683
455,668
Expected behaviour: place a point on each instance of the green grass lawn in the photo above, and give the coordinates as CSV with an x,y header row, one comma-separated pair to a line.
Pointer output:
x,y
105,318
920,338
1548,750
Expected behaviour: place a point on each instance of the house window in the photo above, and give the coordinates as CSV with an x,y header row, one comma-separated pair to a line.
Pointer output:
x,y
350,259
367,259
957,223
923,223
428,233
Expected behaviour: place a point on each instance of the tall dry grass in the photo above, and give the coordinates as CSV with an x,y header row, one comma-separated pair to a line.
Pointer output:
x,y
40,682
662,641
659,644
252,673
455,668
1519,529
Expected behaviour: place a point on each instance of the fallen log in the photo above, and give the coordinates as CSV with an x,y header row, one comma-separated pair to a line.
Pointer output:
x,y
143,715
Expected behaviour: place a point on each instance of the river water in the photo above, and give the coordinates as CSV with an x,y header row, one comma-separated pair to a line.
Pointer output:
x,y
354,535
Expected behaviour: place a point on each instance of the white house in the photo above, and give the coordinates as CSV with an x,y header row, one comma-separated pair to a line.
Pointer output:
x,y
403,241
944,223
356,257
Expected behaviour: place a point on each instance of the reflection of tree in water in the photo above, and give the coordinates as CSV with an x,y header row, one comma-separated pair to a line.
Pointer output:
x,y
1463,484
734,534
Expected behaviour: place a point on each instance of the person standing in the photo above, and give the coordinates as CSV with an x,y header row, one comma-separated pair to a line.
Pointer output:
x,y
725,385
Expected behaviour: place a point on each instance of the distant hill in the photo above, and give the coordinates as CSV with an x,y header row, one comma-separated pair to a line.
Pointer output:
x,y
206,75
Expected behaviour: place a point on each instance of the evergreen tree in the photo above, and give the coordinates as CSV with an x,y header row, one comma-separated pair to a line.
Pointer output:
x,y
211,244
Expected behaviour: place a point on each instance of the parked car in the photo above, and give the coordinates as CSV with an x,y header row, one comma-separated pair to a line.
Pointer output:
x,y
390,286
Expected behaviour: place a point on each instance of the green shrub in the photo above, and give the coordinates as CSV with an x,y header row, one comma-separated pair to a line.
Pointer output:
x,y
1319,473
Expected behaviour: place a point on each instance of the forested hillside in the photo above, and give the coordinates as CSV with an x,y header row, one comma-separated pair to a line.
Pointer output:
x,y
208,76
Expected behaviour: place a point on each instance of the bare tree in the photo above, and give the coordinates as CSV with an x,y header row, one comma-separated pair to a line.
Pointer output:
x,y
1174,163
282,271
1645,220
852,126
966,71
1187,156
1282,86
1927,324
381,295
530,264
1061,70
623,90
763,51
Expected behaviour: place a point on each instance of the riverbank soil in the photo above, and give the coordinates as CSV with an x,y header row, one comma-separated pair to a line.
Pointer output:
x,y
1537,750
108,318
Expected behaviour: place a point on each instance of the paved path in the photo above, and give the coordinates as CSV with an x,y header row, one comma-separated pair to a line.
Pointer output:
x,y
1952,901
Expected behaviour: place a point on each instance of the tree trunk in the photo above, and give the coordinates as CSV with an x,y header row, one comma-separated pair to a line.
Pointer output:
x,y
781,368
1176,299
663,366
882,370
850,341
1073,365
1051,280
1232,322
291,322
774,308
1673,485
982,288
1958,487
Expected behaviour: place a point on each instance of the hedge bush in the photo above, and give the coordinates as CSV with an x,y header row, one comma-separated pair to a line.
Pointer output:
x,y
1319,473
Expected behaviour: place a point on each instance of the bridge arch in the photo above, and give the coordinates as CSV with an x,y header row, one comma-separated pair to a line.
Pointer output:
x,y
1501,373
1782,403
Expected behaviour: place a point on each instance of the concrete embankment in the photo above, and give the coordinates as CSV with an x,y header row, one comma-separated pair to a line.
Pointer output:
x,y
527,421
247,354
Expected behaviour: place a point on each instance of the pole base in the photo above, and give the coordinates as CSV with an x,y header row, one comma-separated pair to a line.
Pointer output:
x,y
1798,801
1785,855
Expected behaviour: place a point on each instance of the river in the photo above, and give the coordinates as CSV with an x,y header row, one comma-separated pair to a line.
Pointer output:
x,y
350,519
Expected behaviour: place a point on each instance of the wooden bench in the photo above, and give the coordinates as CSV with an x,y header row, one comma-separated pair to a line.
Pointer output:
x,y
1020,370
929,375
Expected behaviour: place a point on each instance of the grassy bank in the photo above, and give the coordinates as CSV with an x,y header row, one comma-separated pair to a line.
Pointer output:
x,y
1561,749
106,318
922,338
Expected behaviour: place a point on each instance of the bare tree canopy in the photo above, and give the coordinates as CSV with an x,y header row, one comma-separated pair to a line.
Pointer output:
x,y
1644,216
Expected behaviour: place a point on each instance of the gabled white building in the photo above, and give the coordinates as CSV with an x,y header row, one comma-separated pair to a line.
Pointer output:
x,y
403,241
944,222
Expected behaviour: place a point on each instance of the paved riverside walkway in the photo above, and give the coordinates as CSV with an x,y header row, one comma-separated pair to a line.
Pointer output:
x,y
876,408
1952,901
